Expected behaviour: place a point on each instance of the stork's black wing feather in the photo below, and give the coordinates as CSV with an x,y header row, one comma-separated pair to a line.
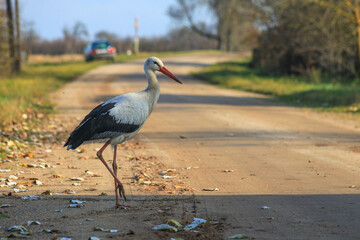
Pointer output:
x,y
98,124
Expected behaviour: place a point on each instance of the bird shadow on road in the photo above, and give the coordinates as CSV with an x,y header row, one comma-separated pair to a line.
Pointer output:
x,y
323,216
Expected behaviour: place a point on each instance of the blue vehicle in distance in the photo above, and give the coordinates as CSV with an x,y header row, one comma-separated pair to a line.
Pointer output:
x,y
99,50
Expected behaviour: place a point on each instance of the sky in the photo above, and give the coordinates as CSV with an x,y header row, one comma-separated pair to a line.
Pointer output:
x,y
115,16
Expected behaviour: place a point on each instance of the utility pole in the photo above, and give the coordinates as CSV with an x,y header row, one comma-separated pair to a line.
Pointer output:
x,y
136,37
17,62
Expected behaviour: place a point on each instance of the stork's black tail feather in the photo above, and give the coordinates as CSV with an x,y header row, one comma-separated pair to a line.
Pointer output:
x,y
81,133
73,142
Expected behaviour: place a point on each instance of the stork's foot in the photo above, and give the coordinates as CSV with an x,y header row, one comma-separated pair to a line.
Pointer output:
x,y
121,190
121,206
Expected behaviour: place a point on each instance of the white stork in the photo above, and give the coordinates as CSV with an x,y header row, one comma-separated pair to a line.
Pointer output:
x,y
120,119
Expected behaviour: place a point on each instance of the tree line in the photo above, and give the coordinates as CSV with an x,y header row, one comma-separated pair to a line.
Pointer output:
x,y
303,37
76,37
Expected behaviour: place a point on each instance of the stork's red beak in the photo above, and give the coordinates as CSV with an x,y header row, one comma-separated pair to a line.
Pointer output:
x,y
169,74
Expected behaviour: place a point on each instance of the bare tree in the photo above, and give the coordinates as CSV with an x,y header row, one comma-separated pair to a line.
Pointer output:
x,y
186,10
232,20
11,37
4,44
17,61
102,35
74,37
29,37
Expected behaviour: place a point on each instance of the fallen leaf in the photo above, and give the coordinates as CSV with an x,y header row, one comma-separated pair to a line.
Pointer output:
x,y
167,176
57,176
19,229
31,197
80,150
90,189
37,182
69,191
9,183
5,205
105,230
174,223
33,223
196,222
10,143
94,238
13,177
77,201
47,192
211,189
75,205
165,227
29,155
77,179
238,236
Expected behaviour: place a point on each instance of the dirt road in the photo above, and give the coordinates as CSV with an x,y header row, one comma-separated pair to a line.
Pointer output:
x,y
292,173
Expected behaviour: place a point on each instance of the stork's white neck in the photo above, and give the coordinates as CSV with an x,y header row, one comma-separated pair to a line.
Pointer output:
x,y
153,84
153,88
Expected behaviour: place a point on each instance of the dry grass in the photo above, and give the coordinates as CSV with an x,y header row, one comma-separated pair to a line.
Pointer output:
x,y
40,58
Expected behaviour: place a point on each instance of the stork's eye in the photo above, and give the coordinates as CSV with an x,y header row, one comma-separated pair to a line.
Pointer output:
x,y
156,64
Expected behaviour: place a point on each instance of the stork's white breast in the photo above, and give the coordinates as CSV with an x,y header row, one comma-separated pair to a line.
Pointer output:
x,y
131,108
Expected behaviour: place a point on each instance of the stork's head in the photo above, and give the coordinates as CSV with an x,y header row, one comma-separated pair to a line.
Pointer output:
x,y
155,64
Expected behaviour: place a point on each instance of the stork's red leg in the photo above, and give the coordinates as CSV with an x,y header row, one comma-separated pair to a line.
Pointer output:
x,y
119,186
115,167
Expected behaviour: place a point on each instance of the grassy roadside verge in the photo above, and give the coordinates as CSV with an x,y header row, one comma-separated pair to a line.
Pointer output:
x,y
325,96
